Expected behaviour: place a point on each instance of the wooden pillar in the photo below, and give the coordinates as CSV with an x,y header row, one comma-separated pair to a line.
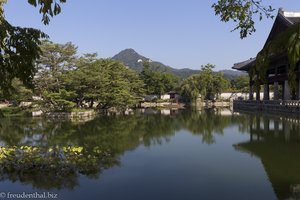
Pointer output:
x,y
251,89
257,92
266,92
276,91
287,92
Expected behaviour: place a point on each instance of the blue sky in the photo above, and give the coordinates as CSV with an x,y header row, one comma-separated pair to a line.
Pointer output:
x,y
176,32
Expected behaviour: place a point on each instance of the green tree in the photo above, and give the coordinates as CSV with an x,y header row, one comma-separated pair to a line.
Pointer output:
x,y
158,82
240,83
207,83
55,60
19,47
242,12
190,88
19,92
88,80
105,81
62,100
123,87
211,83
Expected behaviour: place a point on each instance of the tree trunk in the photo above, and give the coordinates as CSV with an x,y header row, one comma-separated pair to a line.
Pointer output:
x,y
92,103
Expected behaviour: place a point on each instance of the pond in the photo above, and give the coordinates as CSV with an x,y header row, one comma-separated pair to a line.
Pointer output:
x,y
153,154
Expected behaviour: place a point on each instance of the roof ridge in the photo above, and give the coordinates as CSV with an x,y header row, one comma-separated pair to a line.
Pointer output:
x,y
283,17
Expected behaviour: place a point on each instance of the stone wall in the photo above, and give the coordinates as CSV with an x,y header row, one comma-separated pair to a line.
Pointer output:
x,y
4,105
292,106
161,105
70,115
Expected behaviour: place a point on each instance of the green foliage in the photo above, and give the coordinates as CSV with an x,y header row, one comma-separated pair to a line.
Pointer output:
x,y
190,87
18,92
53,64
240,84
13,111
48,8
105,82
119,91
58,101
129,57
158,82
65,81
207,83
52,167
56,57
2,2
19,48
242,13
54,61
286,43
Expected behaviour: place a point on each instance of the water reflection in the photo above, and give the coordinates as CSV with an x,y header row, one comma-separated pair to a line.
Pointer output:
x,y
275,141
114,135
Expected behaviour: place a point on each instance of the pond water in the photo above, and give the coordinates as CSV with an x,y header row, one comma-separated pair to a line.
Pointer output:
x,y
207,154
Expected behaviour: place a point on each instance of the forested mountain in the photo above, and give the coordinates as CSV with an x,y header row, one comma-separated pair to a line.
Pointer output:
x,y
135,61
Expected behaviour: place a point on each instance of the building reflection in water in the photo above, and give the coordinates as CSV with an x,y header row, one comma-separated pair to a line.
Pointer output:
x,y
275,140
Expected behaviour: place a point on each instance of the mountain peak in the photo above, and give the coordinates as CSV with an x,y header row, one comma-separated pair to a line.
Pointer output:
x,y
129,50
130,58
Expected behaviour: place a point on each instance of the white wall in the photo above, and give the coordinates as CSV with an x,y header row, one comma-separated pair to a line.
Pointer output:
x,y
245,96
165,96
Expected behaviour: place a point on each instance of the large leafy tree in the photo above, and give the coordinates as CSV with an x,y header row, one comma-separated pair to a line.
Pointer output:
x,y
105,82
19,47
158,82
54,61
190,87
212,83
207,83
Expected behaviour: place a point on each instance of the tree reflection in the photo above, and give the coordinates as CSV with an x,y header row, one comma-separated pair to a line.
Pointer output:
x,y
111,135
54,167
206,123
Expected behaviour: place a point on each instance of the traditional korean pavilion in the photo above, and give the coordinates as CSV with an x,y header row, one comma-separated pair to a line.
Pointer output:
x,y
277,70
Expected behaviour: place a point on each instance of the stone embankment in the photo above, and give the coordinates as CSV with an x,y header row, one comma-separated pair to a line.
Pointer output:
x,y
288,106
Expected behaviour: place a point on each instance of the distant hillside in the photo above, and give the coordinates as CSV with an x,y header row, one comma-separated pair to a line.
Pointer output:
x,y
231,74
135,61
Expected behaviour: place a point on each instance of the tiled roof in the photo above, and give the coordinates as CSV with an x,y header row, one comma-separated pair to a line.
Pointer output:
x,y
245,65
283,21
